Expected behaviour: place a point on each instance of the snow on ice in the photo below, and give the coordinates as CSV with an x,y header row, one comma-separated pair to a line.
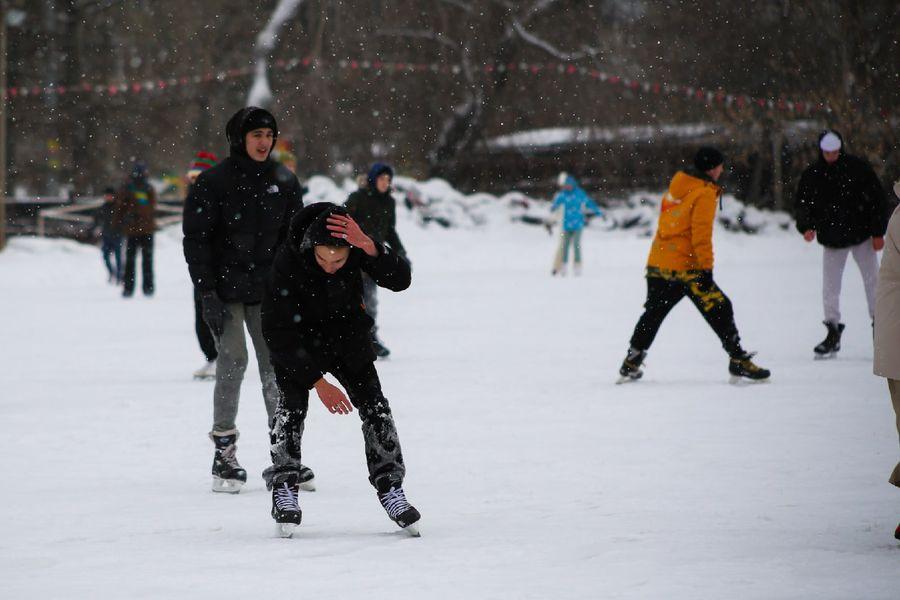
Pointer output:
x,y
536,476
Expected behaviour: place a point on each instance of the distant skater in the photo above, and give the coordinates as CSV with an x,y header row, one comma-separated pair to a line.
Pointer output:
x,y
574,201
681,264
841,203
110,236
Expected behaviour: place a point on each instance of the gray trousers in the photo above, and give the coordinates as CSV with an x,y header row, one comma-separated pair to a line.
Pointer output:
x,y
833,262
232,362
370,299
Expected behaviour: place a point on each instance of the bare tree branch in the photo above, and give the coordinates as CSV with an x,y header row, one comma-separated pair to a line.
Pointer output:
x,y
550,48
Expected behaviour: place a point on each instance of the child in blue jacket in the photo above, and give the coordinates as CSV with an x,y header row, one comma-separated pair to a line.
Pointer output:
x,y
575,202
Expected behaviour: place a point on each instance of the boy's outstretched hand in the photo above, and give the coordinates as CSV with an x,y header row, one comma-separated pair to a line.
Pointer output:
x,y
343,226
333,398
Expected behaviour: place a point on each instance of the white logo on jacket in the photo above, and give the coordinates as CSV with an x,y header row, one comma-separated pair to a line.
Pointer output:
x,y
273,189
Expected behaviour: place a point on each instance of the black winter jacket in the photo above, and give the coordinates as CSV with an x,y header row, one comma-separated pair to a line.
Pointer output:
x,y
377,216
311,319
235,216
843,202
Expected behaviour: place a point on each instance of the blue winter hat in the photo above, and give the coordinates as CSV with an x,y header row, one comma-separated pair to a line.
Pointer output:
x,y
139,170
377,170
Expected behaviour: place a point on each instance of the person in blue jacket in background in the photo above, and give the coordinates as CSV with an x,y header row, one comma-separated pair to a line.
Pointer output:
x,y
575,202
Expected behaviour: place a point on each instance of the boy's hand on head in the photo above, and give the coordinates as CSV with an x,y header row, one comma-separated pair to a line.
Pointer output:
x,y
344,227
333,398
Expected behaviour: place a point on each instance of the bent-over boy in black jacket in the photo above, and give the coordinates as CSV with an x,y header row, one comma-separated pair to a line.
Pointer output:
x,y
314,322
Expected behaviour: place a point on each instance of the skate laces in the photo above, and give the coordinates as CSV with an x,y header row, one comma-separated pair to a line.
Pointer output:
x,y
285,498
394,502
228,454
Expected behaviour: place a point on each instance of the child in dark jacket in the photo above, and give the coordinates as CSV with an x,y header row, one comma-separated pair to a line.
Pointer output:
x,y
314,322
110,236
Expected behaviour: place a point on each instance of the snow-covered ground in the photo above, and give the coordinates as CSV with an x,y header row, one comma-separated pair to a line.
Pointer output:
x,y
536,475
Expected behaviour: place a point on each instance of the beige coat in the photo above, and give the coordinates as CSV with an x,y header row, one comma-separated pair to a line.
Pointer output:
x,y
887,304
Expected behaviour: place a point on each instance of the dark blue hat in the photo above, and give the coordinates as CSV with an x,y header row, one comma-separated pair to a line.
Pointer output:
x,y
377,170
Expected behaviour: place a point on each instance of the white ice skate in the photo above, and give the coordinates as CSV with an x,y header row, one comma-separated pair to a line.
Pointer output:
x,y
207,371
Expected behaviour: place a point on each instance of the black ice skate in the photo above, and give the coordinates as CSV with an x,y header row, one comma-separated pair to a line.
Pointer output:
x,y
228,474
381,350
744,370
285,508
631,366
399,510
307,479
832,342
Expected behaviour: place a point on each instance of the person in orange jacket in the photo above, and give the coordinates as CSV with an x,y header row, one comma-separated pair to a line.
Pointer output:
x,y
681,264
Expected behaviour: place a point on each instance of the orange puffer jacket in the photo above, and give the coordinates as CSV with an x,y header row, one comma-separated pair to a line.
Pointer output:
x,y
683,239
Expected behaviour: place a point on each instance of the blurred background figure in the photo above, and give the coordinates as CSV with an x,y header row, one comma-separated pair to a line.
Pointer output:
x,y
574,202
841,203
110,236
135,217
374,208
202,161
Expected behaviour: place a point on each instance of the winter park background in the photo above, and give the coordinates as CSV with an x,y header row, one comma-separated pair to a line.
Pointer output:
x,y
537,477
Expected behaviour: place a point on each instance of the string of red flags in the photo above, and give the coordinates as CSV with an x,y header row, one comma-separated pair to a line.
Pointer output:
x,y
381,68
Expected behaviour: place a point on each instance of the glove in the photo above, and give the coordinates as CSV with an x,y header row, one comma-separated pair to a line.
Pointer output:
x,y
214,312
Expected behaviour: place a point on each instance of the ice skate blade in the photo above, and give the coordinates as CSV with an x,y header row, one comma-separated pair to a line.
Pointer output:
x,y
227,486
412,529
739,381
285,530
627,379
825,356
204,377
308,486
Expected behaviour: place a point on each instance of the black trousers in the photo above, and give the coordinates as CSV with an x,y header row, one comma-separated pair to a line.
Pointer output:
x,y
204,335
666,288
382,445
145,244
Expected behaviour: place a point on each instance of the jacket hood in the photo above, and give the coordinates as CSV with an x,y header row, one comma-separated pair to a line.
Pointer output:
x,y
377,170
685,182
244,121
309,227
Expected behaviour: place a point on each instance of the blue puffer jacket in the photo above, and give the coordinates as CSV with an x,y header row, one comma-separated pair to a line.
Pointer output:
x,y
574,203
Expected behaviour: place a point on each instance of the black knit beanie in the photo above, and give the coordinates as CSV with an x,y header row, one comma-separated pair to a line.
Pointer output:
x,y
246,120
318,234
708,158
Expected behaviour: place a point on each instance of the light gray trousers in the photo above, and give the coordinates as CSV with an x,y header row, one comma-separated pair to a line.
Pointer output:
x,y
232,362
370,299
833,263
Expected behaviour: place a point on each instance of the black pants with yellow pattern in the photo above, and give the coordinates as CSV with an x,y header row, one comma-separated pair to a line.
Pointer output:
x,y
666,288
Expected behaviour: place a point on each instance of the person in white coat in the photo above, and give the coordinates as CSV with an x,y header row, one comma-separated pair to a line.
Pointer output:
x,y
887,321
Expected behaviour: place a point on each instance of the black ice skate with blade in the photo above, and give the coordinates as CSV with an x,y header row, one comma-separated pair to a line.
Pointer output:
x,y
744,370
285,508
400,511
381,351
228,474
631,366
832,342
307,479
